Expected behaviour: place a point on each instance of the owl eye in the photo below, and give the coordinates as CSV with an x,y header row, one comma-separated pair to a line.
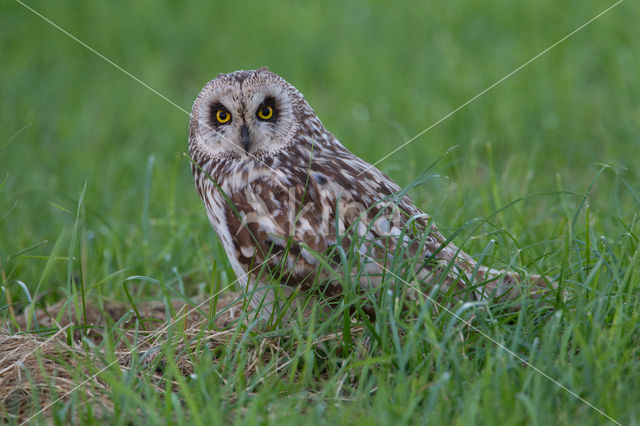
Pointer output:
x,y
223,116
265,112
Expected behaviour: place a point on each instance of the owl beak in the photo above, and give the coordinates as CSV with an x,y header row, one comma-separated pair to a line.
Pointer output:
x,y
245,137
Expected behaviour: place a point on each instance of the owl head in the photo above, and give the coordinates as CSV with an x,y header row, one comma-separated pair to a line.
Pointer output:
x,y
246,113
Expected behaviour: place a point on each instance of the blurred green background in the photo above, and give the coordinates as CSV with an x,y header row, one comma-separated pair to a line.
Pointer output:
x,y
376,73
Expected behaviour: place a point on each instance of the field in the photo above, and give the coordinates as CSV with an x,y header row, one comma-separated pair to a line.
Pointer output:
x,y
105,245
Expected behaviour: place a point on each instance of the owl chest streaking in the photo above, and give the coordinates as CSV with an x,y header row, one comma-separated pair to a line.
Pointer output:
x,y
286,199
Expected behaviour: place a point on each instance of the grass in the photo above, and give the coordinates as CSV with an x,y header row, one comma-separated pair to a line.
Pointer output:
x,y
98,209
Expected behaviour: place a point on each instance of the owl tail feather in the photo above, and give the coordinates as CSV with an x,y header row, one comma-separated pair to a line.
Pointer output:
x,y
510,285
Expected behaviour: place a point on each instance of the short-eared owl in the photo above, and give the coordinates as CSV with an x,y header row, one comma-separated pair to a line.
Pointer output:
x,y
289,202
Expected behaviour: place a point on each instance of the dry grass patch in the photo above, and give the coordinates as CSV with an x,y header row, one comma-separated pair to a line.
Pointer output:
x,y
36,370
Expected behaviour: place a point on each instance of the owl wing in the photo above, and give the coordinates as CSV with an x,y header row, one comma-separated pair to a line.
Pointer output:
x,y
321,201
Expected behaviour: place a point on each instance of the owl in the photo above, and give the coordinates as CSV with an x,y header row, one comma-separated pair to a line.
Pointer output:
x,y
296,211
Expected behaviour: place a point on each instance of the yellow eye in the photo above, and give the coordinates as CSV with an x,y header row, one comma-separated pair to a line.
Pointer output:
x,y
265,113
222,116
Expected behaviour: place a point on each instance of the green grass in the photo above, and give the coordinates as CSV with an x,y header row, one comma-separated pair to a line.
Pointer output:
x,y
97,203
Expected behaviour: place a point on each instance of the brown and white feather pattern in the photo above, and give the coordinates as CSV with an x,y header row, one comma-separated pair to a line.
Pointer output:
x,y
280,206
